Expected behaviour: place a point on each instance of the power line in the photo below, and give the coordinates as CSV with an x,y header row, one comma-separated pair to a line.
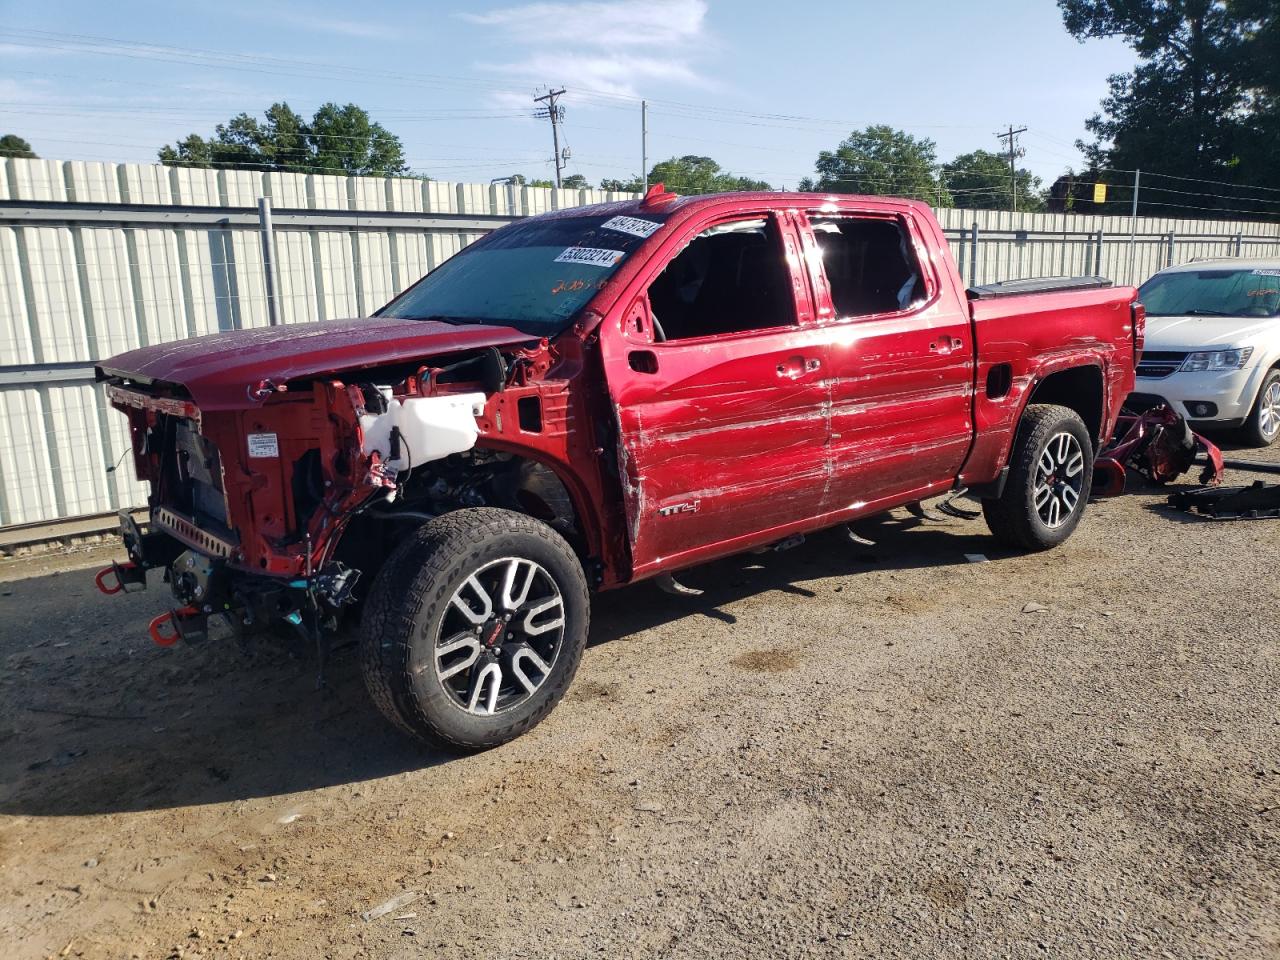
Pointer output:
x,y
115,47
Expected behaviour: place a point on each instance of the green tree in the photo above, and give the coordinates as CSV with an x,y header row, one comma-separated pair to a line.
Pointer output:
x,y
1074,192
337,139
344,138
881,161
12,145
692,174
1202,101
634,185
980,181
575,181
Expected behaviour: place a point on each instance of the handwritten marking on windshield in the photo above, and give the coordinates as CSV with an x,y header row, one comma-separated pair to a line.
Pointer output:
x,y
574,286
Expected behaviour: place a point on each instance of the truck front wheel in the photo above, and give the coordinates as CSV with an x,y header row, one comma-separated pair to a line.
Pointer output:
x,y
474,628
1050,475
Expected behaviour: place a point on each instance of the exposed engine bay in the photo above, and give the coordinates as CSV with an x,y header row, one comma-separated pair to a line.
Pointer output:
x,y
277,513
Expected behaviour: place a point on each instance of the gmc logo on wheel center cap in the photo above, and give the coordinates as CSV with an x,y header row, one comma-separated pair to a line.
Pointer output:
x,y
495,633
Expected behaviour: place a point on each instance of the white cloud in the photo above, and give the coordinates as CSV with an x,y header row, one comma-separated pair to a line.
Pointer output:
x,y
27,50
615,75
606,47
623,23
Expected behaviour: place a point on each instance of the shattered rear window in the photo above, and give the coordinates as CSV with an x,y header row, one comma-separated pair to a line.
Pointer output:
x,y
534,275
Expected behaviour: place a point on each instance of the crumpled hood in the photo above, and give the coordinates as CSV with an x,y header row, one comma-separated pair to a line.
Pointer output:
x,y
221,368
1198,333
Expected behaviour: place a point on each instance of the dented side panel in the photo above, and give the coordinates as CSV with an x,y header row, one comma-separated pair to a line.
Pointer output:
x,y
718,444
720,437
901,391
1034,337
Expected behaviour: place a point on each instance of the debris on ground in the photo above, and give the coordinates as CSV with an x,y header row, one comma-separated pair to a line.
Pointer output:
x,y
1256,501
1160,445
395,903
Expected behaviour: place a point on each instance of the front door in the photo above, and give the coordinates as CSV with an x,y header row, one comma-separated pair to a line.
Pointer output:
x,y
717,374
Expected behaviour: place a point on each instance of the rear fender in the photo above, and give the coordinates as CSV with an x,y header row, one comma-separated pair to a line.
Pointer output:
x,y
997,418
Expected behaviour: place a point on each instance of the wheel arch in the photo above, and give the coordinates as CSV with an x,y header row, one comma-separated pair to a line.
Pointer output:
x,y
1081,388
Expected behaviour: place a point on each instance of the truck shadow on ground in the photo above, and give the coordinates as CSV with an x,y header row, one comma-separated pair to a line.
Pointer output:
x,y
94,719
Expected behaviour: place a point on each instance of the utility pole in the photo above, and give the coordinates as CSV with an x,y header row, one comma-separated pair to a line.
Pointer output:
x,y
644,144
556,114
1133,227
1011,138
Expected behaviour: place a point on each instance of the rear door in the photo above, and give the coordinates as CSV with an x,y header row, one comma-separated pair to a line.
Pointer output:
x,y
900,357
716,371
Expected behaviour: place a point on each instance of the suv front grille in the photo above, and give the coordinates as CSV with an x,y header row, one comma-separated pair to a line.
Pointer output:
x,y
1158,364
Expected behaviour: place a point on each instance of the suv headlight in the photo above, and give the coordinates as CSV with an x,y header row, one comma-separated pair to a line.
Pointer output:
x,y
1217,360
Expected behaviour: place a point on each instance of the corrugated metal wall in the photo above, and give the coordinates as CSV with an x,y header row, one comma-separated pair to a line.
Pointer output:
x,y
1014,246
72,292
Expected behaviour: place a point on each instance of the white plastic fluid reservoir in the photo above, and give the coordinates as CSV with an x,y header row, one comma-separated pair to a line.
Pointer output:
x,y
430,428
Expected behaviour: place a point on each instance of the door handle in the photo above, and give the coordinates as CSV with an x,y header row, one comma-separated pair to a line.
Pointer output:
x,y
794,367
642,361
945,345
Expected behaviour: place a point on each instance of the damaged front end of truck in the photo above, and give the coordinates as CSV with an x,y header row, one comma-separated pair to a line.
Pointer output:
x,y
279,486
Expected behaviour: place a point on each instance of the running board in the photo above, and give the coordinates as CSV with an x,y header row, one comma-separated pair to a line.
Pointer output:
x,y
668,584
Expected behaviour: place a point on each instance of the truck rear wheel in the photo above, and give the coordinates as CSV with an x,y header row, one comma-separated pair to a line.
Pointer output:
x,y
474,628
1050,475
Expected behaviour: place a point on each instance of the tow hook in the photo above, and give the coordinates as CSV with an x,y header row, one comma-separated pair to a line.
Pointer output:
x,y
174,619
119,576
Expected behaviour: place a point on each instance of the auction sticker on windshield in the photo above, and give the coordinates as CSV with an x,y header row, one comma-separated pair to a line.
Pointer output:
x,y
632,225
591,256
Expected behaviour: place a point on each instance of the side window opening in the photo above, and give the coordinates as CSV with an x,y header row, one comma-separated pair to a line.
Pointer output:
x,y
869,265
730,278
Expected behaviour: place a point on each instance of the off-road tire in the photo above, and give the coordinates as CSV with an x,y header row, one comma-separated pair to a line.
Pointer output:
x,y
1252,432
401,622
1013,517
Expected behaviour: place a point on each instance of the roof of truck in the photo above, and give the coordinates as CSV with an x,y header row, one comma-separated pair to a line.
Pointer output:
x,y
668,203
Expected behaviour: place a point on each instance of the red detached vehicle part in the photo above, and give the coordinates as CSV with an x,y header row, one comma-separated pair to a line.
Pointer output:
x,y
1160,445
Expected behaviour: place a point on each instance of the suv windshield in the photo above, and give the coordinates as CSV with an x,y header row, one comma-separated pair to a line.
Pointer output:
x,y
534,275
1213,293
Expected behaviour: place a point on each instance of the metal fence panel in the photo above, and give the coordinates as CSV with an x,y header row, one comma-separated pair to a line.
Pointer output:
x,y
136,254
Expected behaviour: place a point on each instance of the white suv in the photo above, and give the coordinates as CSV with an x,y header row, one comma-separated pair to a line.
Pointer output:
x,y
1213,345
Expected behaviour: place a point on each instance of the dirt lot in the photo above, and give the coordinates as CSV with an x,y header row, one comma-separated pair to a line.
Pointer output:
x,y
838,751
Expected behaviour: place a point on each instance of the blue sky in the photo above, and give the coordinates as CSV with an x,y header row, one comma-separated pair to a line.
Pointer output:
x,y
760,86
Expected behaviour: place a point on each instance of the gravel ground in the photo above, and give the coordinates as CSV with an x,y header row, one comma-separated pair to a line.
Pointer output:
x,y
837,751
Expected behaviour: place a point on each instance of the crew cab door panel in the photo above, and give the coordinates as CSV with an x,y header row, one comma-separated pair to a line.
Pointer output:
x,y
722,435
900,359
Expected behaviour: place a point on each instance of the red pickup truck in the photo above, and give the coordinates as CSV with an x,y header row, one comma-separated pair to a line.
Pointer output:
x,y
591,397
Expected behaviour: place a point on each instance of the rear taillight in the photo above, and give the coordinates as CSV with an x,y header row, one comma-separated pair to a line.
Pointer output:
x,y
1139,330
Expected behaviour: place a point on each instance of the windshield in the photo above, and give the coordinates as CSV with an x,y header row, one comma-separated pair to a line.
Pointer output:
x,y
534,275
1213,293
